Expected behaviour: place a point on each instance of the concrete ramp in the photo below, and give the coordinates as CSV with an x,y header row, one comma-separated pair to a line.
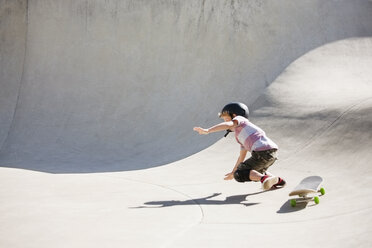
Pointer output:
x,y
81,82
98,86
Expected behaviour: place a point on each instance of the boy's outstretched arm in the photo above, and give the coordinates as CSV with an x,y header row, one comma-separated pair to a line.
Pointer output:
x,y
217,128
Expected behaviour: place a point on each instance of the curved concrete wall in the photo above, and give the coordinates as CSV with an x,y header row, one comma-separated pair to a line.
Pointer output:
x,y
118,85
13,28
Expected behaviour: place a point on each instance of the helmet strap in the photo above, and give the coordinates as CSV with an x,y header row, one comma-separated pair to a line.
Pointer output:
x,y
227,132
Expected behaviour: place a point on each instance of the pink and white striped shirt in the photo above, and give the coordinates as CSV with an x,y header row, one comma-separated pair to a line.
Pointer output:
x,y
251,137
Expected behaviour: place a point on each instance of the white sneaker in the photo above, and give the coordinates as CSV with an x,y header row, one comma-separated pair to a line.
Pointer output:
x,y
269,182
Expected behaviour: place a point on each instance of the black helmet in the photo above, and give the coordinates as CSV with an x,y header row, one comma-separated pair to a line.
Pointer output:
x,y
236,108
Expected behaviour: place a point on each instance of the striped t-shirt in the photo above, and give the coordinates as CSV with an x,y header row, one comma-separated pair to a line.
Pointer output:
x,y
251,137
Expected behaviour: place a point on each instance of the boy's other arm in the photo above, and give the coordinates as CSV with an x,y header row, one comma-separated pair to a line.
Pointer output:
x,y
242,155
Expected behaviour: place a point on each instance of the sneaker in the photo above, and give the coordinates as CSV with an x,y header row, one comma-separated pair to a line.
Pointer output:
x,y
281,183
268,182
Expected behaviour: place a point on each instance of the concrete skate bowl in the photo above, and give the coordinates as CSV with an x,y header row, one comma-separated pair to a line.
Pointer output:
x,y
98,86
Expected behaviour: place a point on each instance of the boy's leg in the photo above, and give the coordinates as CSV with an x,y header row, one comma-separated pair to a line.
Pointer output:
x,y
255,175
254,169
251,169
271,156
246,175
258,163
267,181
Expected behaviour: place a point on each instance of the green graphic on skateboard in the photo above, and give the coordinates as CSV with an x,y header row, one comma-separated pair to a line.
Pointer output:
x,y
308,190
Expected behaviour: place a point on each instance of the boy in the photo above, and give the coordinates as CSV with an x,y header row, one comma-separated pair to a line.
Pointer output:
x,y
251,138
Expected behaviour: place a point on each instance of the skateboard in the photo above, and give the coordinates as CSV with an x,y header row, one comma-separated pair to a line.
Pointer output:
x,y
307,190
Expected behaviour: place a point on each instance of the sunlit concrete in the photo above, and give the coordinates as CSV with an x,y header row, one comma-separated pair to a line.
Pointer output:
x,y
98,100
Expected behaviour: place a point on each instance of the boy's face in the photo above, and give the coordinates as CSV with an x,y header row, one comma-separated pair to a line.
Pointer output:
x,y
226,118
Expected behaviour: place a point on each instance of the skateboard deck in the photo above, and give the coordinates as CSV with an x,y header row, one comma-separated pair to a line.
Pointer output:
x,y
307,190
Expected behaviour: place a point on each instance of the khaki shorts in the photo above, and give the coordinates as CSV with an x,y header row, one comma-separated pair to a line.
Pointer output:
x,y
259,161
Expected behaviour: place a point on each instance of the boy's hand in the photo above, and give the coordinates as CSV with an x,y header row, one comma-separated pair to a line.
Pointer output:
x,y
229,176
201,130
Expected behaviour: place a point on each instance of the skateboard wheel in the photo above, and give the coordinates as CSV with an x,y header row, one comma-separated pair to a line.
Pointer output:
x,y
322,191
316,200
293,203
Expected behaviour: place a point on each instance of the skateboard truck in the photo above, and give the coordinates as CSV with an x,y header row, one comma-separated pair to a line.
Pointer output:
x,y
305,198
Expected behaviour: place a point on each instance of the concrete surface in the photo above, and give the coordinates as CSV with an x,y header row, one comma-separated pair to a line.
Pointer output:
x,y
98,100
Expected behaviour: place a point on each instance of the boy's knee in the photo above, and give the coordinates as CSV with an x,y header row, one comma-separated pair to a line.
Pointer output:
x,y
242,176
